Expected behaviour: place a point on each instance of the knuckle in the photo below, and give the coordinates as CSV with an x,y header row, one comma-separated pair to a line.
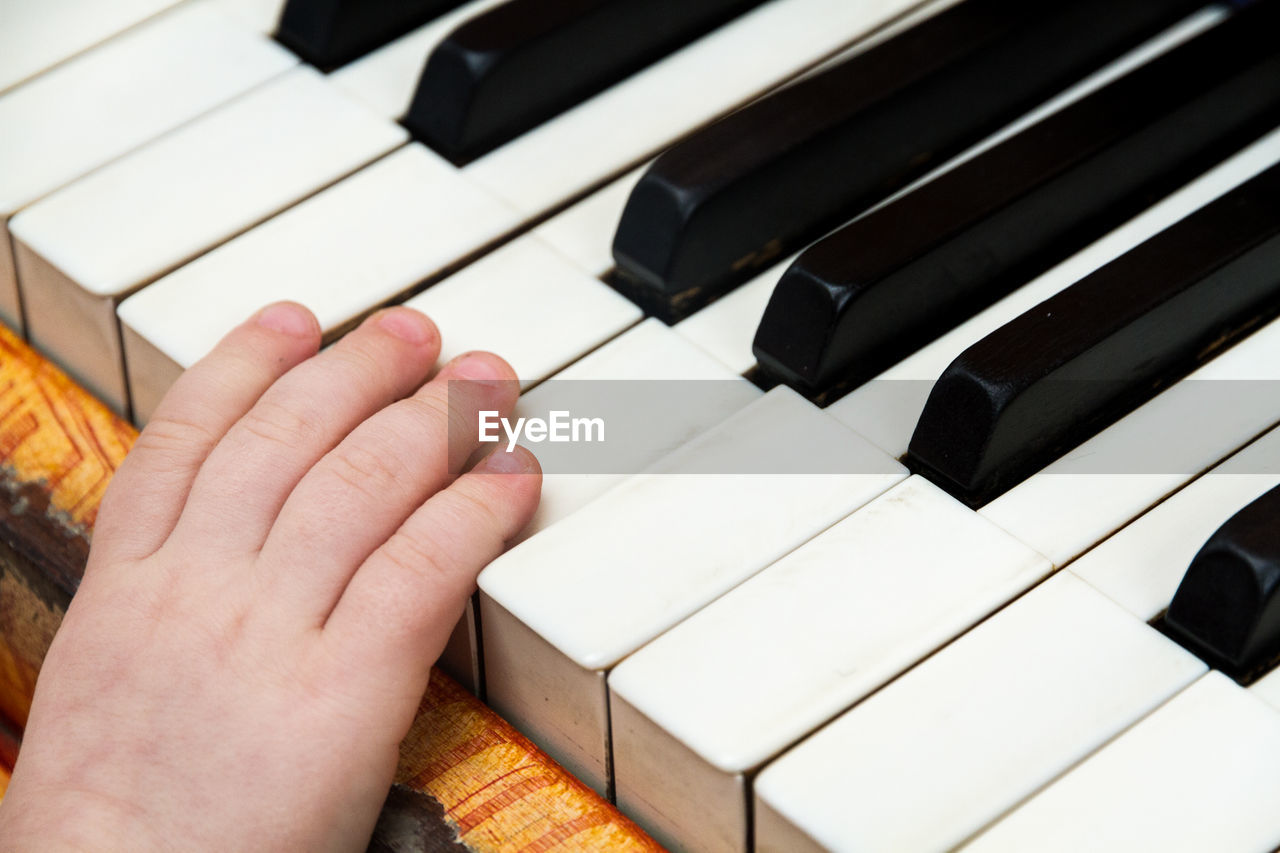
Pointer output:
x,y
368,471
425,410
418,556
472,504
167,434
276,423
425,418
355,358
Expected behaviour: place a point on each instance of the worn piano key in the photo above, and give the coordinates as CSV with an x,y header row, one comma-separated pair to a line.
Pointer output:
x,y
329,33
1226,609
505,71
715,697
973,730
115,97
1062,371
465,312
647,352
758,184
37,36
555,308
886,410
1140,566
563,607
316,252
529,303
880,287
1197,774
580,233
342,252
89,244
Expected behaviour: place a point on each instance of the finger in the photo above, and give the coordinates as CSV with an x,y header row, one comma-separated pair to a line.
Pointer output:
x,y
396,614
239,491
359,494
148,492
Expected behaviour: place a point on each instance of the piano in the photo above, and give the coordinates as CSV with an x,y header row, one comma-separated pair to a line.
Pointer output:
x,y
942,334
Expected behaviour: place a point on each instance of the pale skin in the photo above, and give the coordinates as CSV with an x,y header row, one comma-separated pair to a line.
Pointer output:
x,y
274,569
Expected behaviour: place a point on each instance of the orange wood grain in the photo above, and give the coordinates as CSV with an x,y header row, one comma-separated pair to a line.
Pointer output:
x,y
8,754
58,449
55,433
500,791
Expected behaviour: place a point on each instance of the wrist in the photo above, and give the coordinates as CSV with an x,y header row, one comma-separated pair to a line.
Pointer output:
x,y
71,821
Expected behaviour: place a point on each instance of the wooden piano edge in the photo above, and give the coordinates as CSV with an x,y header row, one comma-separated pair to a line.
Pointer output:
x,y
466,781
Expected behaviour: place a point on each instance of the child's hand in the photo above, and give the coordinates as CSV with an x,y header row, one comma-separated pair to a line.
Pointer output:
x,y
274,570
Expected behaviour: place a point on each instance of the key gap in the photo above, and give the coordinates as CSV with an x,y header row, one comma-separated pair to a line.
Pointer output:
x,y
749,776
1048,783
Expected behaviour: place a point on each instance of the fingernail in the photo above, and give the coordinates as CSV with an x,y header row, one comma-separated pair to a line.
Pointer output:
x,y
479,367
407,325
517,461
288,318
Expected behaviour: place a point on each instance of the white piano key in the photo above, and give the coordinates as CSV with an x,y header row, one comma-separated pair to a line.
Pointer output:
x,y
85,246
386,78
528,303
648,351
35,36
1141,566
117,96
564,606
1197,774
584,232
1268,689
972,731
739,681
581,231
1071,505
727,327
261,16
634,119
886,409
358,244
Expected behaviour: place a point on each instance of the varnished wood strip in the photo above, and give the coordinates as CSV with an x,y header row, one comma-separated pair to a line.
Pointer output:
x,y
468,781
499,790
8,753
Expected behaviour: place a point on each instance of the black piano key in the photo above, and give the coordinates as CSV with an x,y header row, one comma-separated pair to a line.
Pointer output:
x,y
1227,608
513,67
329,33
1061,372
880,287
741,193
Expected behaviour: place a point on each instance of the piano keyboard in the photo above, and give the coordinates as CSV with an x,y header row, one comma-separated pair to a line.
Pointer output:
x,y
852,655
